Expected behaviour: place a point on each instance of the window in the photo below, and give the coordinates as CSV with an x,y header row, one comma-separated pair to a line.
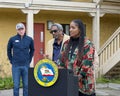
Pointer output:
x,y
66,28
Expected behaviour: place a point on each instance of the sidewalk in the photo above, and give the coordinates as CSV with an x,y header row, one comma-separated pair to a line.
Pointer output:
x,y
109,89
9,92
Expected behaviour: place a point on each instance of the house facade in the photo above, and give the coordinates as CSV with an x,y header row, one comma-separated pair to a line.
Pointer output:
x,y
101,17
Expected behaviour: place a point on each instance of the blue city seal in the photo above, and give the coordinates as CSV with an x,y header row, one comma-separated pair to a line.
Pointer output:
x,y
46,72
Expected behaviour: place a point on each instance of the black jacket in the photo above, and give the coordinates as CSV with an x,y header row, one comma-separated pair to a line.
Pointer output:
x,y
20,51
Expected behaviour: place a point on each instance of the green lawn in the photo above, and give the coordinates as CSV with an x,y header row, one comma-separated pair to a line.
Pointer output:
x,y
7,83
104,80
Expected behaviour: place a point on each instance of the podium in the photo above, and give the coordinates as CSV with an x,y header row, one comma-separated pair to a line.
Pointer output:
x,y
66,85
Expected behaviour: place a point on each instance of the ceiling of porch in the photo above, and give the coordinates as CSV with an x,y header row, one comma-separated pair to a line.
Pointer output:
x,y
106,6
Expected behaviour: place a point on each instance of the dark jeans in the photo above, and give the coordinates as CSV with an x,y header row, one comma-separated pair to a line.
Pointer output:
x,y
17,73
81,94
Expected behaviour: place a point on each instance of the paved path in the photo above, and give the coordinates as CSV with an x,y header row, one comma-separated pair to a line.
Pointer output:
x,y
8,92
109,89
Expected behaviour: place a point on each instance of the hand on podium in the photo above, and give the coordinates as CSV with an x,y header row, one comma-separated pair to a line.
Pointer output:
x,y
46,56
59,67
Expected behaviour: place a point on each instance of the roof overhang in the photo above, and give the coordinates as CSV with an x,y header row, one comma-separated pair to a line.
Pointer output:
x,y
50,5
61,5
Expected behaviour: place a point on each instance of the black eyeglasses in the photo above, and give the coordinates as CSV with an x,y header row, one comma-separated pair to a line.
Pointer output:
x,y
53,31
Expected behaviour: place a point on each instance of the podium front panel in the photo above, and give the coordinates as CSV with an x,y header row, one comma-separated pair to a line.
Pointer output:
x,y
64,86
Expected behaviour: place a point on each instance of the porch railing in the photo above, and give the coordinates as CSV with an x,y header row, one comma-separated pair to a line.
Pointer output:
x,y
109,53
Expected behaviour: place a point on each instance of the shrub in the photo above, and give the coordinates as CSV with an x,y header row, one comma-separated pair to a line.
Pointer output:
x,y
7,83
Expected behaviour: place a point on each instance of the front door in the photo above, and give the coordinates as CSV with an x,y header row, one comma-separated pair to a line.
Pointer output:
x,y
38,41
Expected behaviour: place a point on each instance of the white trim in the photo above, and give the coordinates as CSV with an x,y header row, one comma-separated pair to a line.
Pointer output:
x,y
51,5
110,9
98,1
60,5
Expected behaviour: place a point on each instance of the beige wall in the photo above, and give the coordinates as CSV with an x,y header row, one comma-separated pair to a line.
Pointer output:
x,y
8,20
108,24
10,17
63,18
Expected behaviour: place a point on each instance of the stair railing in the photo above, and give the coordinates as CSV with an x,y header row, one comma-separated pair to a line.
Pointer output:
x,y
107,51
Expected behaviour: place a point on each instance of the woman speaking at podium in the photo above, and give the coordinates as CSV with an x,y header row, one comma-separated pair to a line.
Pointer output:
x,y
78,54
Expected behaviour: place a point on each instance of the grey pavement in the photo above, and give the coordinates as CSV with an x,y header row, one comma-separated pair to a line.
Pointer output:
x,y
9,92
109,89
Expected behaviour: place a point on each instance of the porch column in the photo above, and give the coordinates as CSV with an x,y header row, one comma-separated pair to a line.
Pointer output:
x,y
96,28
30,21
30,24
